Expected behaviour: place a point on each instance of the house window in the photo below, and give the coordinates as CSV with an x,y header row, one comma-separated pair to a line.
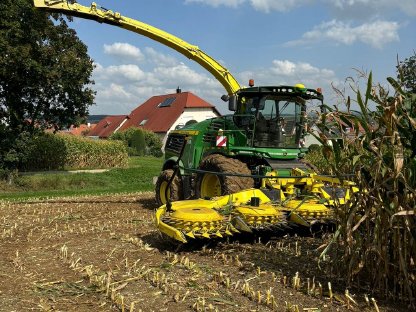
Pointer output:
x,y
143,122
167,102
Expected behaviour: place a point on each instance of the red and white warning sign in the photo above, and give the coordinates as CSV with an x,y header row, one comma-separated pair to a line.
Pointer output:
x,y
221,141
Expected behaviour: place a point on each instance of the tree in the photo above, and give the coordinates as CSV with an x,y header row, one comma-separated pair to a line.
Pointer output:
x,y
407,73
138,142
44,75
153,143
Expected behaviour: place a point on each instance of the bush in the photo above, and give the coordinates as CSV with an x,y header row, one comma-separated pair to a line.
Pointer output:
x,y
8,175
57,152
47,152
138,143
315,156
14,149
314,147
153,143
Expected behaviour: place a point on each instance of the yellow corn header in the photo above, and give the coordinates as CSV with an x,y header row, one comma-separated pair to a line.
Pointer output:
x,y
303,200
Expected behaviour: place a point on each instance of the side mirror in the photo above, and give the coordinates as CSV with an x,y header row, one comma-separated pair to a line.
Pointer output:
x,y
232,103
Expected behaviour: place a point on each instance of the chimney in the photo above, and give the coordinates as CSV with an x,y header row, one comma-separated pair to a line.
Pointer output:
x,y
178,90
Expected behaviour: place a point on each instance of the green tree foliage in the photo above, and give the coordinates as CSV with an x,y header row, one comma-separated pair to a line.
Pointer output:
x,y
153,143
44,76
376,236
407,73
316,157
137,142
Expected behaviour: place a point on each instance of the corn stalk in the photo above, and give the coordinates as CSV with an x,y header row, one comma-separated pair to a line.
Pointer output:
x,y
377,230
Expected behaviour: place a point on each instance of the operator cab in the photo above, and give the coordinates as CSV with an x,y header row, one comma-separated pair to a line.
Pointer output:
x,y
278,120
275,117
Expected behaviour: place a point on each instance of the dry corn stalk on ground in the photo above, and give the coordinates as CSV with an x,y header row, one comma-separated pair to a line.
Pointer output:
x,y
104,254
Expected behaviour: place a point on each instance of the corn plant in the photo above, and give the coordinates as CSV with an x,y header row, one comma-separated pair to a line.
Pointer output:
x,y
55,152
376,233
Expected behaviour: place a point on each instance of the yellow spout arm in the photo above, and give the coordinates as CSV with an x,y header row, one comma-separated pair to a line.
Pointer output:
x,y
114,18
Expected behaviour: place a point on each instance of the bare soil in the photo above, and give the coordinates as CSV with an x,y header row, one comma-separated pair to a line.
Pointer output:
x,y
105,254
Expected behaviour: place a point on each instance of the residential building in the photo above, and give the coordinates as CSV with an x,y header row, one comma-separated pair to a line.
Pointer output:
x,y
107,126
160,114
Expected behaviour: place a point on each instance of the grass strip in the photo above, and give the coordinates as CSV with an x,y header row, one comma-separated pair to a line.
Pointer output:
x,y
137,177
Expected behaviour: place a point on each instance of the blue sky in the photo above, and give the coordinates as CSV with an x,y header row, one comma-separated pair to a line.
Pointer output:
x,y
316,42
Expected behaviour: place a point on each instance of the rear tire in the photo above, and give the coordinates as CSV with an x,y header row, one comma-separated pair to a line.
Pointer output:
x,y
175,190
209,185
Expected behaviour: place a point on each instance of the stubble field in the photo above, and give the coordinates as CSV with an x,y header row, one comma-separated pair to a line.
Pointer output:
x,y
105,254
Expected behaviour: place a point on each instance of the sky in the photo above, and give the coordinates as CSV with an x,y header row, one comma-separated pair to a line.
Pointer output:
x,y
320,43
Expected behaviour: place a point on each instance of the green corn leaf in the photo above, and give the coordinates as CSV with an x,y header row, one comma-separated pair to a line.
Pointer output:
x,y
355,159
364,121
396,86
369,87
328,247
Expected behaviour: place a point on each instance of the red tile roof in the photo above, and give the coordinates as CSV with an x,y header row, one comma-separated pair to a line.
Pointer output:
x,y
160,119
82,129
107,126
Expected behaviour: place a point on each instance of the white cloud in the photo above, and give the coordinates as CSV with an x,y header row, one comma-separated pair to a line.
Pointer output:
x,y
119,73
301,72
285,72
290,69
159,58
181,73
217,3
344,7
115,90
124,51
111,98
376,34
291,73
373,6
259,5
121,88
277,5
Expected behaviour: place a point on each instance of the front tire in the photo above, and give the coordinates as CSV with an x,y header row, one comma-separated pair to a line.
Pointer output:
x,y
208,185
174,192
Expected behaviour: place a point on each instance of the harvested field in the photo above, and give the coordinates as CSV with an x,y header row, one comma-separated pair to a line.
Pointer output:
x,y
104,254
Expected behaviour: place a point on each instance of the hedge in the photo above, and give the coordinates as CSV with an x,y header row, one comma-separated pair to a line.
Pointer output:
x,y
60,151
153,143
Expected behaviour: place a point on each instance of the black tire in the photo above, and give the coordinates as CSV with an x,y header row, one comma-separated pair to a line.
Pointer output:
x,y
221,184
175,188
